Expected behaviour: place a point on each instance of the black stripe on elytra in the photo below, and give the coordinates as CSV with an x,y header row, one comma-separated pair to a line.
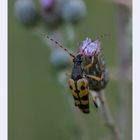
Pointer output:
x,y
84,98
75,98
83,87
77,91
71,87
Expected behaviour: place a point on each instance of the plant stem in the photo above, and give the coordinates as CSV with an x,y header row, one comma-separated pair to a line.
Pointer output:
x,y
107,117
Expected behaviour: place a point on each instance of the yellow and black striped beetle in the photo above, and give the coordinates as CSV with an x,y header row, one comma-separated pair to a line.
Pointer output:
x,y
78,83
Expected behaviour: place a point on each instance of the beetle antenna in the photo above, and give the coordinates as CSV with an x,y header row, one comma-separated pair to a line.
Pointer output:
x,y
57,43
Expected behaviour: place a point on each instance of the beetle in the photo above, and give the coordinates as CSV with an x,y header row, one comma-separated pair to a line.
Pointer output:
x,y
78,82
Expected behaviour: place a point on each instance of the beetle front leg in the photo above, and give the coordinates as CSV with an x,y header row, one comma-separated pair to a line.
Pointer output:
x,y
90,64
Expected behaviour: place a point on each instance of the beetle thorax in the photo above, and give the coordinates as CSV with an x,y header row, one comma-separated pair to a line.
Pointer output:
x,y
77,71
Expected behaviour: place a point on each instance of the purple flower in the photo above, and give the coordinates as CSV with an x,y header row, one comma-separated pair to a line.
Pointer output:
x,y
89,47
47,4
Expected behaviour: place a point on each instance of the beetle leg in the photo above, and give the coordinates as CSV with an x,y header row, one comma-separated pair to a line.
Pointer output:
x,y
95,99
95,77
90,64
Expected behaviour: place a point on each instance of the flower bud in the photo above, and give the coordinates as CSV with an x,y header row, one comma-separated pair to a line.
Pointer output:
x,y
59,58
48,5
50,11
97,69
73,11
25,12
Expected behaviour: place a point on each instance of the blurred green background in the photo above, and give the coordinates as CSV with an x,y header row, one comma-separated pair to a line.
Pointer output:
x,y
38,109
